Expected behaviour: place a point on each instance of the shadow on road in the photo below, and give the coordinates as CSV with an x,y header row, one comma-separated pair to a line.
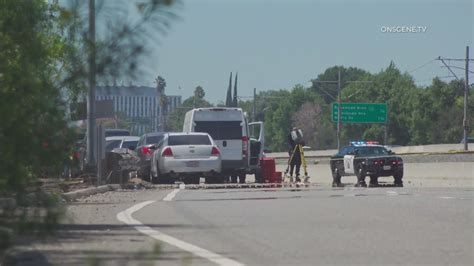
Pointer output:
x,y
96,244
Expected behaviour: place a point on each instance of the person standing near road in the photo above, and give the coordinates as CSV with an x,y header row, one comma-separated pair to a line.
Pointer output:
x,y
296,143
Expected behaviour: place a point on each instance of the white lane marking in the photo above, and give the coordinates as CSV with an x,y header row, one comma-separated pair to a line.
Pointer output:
x,y
126,217
446,197
171,195
392,193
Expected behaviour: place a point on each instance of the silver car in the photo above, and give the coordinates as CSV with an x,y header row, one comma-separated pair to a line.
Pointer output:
x,y
185,157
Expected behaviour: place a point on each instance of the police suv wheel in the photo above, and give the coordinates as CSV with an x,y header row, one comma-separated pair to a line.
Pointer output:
x,y
398,176
336,178
374,181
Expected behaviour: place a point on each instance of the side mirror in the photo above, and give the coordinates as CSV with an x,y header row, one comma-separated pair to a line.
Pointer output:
x,y
267,151
132,148
391,152
153,147
350,153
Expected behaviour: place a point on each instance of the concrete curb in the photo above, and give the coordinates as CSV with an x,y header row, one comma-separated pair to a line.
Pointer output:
x,y
74,195
285,157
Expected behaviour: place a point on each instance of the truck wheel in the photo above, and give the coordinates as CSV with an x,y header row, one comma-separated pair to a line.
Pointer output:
x,y
233,179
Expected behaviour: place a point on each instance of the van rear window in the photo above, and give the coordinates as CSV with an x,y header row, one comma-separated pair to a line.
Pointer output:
x,y
189,140
220,129
116,133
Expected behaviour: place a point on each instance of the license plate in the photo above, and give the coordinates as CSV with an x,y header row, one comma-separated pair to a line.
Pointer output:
x,y
192,164
387,167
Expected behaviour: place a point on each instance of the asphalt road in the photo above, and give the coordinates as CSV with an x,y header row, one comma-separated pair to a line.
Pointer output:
x,y
429,174
318,225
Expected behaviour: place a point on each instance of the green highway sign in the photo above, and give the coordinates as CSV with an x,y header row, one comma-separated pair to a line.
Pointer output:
x,y
361,112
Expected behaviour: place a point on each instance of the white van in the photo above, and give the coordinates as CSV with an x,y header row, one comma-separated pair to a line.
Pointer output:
x,y
229,129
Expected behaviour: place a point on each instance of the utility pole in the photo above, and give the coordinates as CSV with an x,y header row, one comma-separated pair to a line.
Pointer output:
x,y
91,116
385,128
156,114
465,121
339,109
466,95
254,104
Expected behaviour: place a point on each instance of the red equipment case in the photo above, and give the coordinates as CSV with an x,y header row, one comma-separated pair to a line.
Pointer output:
x,y
269,170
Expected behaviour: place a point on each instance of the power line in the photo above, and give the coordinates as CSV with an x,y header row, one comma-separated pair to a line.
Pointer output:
x,y
425,64
460,68
466,90
450,70
456,59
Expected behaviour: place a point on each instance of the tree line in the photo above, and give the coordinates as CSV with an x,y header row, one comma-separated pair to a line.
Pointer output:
x,y
44,52
417,115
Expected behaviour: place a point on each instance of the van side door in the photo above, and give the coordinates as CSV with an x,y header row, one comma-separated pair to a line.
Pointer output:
x,y
257,142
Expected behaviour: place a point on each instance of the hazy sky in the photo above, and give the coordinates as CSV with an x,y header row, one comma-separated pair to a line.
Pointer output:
x,y
277,44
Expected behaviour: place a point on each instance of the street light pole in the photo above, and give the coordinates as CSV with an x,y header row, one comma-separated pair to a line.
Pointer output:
x,y
254,104
339,109
91,122
338,99
466,95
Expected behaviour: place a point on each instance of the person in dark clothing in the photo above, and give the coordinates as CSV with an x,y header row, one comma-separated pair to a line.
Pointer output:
x,y
296,142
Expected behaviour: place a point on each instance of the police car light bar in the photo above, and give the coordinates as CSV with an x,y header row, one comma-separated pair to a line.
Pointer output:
x,y
363,142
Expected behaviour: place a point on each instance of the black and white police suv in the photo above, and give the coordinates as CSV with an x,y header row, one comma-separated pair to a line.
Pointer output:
x,y
366,158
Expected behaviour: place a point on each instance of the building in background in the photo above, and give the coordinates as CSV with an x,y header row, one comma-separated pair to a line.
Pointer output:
x,y
139,106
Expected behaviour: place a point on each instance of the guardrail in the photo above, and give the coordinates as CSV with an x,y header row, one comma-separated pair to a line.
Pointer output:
x,y
403,150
